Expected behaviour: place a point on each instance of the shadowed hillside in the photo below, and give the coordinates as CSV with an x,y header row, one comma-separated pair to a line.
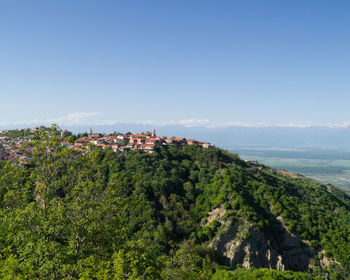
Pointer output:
x,y
179,213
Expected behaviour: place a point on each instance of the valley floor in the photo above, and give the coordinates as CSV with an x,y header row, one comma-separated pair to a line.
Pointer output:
x,y
325,166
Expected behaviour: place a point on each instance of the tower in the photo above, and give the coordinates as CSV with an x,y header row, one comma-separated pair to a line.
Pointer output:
x,y
153,132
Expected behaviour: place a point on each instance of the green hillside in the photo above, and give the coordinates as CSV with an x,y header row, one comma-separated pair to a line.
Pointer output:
x,y
179,213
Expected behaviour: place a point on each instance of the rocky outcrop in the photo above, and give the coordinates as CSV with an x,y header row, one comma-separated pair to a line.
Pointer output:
x,y
216,214
243,244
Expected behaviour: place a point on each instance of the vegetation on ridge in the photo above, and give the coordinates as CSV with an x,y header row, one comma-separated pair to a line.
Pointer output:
x,y
134,215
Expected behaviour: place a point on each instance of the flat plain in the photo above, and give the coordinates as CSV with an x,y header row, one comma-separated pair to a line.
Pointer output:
x,y
324,165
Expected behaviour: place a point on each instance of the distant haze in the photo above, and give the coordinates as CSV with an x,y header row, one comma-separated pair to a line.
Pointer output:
x,y
283,137
238,137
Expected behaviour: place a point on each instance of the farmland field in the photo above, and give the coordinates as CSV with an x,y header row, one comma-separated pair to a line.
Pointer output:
x,y
326,166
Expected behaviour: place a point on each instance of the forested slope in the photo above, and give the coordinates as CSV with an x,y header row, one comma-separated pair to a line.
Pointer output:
x,y
179,213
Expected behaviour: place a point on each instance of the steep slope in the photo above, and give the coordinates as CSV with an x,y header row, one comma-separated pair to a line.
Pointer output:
x,y
181,212
292,221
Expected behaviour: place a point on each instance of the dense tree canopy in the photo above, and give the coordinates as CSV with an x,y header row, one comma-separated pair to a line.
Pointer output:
x,y
134,215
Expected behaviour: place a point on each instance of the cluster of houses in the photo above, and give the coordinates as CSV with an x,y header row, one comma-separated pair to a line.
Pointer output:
x,y
14,148
253,162
142,141
18,147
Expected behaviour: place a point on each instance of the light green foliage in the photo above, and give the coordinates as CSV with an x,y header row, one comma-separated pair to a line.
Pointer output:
x,y
134,215
261,274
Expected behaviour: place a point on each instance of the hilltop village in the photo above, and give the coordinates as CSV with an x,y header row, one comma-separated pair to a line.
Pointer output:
x,y
15,144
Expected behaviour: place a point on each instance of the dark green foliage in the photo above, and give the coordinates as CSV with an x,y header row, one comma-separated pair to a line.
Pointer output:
x,y
131,215
262,274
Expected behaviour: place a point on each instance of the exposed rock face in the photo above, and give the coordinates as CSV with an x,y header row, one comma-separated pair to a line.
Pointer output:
x,y
244,245
216,214
327,262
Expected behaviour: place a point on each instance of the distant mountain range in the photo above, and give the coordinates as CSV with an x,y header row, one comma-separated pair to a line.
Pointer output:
x,y
237,136
277,137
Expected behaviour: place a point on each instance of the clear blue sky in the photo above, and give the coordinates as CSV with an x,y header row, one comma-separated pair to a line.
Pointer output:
x,y
220,61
